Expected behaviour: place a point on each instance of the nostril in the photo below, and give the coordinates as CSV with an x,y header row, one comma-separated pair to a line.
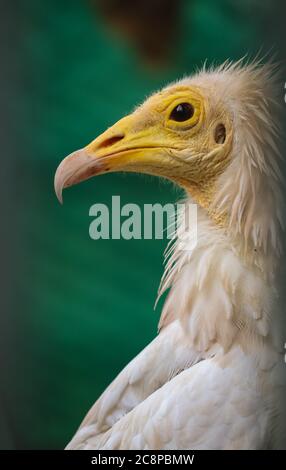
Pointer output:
x,y
111,141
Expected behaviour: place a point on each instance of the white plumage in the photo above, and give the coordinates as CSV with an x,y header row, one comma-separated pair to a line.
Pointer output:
x,y
214,377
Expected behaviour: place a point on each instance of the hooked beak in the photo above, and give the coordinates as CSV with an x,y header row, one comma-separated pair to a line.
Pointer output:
x,y
121,148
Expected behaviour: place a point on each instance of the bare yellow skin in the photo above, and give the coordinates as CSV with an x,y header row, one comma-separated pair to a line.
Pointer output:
x,y
150,141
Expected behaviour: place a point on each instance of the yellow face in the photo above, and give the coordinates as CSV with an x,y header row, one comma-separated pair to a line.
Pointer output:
x,y
178,134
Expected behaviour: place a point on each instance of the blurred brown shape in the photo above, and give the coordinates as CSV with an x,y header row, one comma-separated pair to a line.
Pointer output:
x,y
150,25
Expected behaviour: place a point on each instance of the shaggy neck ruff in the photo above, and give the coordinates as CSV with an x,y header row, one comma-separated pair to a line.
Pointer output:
x,y
223,290
221,293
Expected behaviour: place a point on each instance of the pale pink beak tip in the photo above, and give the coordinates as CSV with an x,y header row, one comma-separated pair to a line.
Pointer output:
x,y
58,187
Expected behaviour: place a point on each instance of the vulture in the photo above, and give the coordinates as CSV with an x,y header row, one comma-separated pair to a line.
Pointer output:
x,y
214,376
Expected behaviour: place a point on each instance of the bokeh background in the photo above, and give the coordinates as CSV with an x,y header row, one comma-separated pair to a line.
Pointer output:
x,y
74,311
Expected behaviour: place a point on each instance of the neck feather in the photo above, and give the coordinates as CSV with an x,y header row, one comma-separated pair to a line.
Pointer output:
x,y
223,290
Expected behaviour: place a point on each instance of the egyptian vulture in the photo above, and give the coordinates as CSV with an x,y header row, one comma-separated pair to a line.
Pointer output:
x,y
213,378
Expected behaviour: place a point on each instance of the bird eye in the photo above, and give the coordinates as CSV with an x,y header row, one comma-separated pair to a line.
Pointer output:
x,y
182,112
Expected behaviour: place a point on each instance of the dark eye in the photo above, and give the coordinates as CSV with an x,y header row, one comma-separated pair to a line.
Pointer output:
x,y
182,112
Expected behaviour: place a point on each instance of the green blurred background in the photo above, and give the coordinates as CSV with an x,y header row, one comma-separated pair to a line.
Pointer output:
x,y
75,311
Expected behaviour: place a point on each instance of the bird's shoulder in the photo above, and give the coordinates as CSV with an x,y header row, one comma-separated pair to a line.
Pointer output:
x,y
210,405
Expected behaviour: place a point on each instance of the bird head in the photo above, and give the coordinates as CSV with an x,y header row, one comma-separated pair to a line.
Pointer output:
x,y
179,133
212,133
